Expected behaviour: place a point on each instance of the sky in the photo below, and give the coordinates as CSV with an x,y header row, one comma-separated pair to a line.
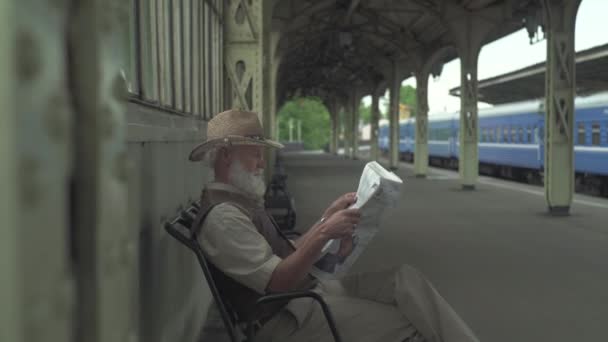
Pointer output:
x,y
515,52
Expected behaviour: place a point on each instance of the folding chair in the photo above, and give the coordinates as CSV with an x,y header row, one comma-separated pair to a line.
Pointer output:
x,y
181,229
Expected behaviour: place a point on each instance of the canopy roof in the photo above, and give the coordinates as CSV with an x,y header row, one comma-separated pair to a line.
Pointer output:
x,y
529,83
334,47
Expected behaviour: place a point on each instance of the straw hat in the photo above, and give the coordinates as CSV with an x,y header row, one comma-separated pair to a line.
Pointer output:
x,y
233,127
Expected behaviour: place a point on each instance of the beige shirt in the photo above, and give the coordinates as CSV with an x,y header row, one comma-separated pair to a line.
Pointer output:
x,y
233,244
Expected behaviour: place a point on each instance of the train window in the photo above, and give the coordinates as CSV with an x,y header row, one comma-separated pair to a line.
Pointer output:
x,y
130,58
484,135
581,134
177,54
220,78
164,11
194,39
209,74
174,57
218,58
203,57
505,134
595,134
148,50
529,131
513,134
187,54
520,135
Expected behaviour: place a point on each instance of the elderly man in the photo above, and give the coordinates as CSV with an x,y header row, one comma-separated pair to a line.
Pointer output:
x,y
250,257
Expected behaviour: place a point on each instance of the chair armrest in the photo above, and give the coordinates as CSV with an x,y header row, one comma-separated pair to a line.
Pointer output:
x,y
179,232
300,294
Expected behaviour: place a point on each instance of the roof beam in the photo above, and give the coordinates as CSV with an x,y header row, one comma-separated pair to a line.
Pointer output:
x,y
351,9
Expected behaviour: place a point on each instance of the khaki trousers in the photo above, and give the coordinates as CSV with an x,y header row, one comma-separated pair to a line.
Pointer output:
x,y
384,306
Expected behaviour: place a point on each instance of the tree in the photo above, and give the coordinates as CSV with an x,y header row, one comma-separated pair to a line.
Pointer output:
x,y
407,96
314,117
365,113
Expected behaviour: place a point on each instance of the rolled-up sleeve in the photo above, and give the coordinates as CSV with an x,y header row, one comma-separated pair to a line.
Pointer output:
x,y
233,244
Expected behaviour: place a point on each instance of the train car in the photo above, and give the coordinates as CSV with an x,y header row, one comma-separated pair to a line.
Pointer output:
x,y
591,144
442,142
383,136
407,127
511,141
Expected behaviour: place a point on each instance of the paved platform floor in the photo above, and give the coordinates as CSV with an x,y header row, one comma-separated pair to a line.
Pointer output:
x,y
512,271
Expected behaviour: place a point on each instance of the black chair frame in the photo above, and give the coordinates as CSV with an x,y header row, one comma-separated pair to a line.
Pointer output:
x,y
180,229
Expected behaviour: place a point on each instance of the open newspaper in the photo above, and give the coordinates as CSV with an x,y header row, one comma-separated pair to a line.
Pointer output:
x,y
378,189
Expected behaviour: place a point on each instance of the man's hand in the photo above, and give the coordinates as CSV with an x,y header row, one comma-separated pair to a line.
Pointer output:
x,y
341,224
346,246
342,202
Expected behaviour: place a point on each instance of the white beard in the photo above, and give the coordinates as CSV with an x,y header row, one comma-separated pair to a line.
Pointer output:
x,y
252,183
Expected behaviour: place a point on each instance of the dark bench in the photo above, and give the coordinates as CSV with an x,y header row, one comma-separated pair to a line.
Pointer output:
x,y
278,201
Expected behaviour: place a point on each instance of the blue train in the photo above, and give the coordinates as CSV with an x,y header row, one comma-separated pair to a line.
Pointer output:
x,y
511,141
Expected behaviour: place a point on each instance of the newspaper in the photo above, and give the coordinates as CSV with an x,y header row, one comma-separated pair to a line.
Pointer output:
x,y
378,189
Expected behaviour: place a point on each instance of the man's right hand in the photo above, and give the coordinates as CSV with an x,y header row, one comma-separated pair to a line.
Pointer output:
x,y
341,224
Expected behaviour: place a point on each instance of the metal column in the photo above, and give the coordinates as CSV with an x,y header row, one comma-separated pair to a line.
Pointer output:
x,y
560,16
244,53
355,127
394,119
468,158
469,30
36,144
269,70
335,124
348,131
421,155
107,259
374,151
12,294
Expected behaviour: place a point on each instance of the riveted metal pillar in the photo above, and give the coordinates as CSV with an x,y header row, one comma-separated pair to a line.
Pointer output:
x,y
468,31
244,50
374,150
346,125
421,154
12,295
334,112
560,17
37,287
354,124
270,69
468,158
105,257
395,89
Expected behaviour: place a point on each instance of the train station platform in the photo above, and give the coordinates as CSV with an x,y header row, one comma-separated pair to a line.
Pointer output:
x,y
513,272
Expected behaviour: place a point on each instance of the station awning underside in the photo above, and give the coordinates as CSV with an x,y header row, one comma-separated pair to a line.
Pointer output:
x,y
529,83
333,48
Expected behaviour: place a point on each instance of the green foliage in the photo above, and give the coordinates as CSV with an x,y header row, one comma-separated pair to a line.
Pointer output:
x,y
316,126
365,113
407,95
